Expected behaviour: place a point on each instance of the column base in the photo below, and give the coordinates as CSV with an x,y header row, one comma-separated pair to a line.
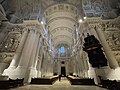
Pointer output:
x,y
39,74
21,72
3,66
92,74
113,74
105,73
32,72
11,68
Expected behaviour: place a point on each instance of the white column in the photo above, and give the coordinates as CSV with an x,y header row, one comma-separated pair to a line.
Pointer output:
x,y
43,66
38,67
55,67
58,64
92,73
37,52
66,66
111,58
86,67
37,63
40,63
76,65
84,64
34,50
85,61
51,66
22,68
71,66
81,61
46,63
26,54
92,31
18,52
32,72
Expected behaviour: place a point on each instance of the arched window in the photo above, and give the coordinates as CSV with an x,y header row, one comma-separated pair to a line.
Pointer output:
x,y
62,49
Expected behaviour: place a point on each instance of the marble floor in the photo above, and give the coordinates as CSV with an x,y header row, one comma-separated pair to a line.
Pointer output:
x,y
59,85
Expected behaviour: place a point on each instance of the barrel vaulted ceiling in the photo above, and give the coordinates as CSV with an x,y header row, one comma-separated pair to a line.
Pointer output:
x,y
61,16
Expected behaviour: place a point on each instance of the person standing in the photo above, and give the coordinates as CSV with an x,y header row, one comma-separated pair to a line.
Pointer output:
x,y
59,77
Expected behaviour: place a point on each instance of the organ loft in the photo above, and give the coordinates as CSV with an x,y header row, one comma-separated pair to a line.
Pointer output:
x,y
75,40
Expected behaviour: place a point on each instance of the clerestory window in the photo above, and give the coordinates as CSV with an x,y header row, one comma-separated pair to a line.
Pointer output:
x,y
62,49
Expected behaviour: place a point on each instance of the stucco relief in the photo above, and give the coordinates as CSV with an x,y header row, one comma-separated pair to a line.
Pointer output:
x,y
95,7
6,57
86,4
61,7
11,42
116,38
117,56
113,39
98,5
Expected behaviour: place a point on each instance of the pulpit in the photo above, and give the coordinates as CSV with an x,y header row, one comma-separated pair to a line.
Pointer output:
x,y
94,50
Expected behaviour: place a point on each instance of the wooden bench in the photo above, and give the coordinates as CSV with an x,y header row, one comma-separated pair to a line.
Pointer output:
x,y
44,80
80,81
110,84
11,83
16,82
20,82
4,84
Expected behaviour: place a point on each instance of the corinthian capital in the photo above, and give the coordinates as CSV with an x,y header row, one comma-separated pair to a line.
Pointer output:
x,y
99,27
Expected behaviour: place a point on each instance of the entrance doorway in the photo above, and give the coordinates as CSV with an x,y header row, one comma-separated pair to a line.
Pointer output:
x,y
63,72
